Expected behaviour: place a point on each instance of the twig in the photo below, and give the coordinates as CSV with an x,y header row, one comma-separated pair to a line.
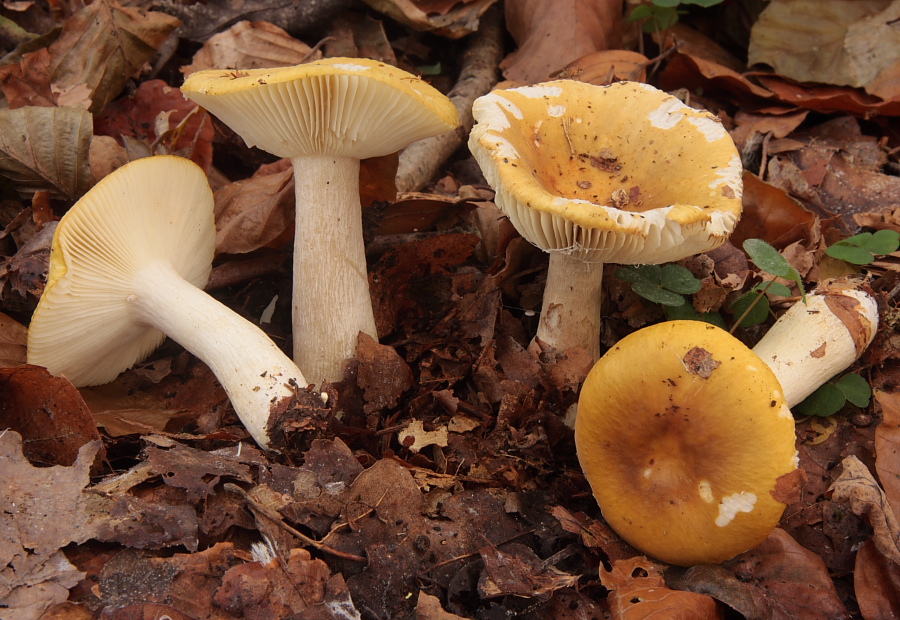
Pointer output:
x,y
277,520
420,161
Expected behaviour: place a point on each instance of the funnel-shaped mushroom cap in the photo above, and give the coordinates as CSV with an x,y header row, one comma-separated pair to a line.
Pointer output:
x,y
622,173
157,208
337,106
683,433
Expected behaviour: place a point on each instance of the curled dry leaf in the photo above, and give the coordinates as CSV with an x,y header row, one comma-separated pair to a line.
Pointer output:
x,y
13,337
47,149
254,213
827,41
607,66
876,584
858,487
639,591
518,571
887,446
250,45
547,39
448,18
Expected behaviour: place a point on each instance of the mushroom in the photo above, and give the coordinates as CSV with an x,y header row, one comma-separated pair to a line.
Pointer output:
x,y
622,173
686,435
326,116
126,269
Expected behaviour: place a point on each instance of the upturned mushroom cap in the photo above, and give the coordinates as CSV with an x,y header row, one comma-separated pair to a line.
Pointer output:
x,y
683,434
336,106
622,173
83,327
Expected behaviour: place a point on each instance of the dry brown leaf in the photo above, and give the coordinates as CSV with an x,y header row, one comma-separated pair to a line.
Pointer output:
x,y
607,66
254,213
429,608
47,149
250,45
291,587
887,446
553,33
453,19
771,214
415,437
858,487
518,571
33,571
99,49
639,592
876,584
382,375
160,116
827,41
777,580
13,338
48,412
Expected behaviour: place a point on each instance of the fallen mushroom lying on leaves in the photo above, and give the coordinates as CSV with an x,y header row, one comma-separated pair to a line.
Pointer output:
x,y
622,173
686,435
326,116
127,267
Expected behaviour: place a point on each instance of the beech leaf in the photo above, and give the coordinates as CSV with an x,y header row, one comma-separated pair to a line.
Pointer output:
x,y
47,149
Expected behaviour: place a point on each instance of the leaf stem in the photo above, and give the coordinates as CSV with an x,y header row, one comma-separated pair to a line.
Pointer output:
x,y
750,307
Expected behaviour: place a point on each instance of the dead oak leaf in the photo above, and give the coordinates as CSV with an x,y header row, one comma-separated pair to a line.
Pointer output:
x,y
858,487
638,590
100,48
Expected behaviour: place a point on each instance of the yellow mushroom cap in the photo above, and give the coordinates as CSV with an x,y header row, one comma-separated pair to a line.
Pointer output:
x,y
351,107
683,433
621,173
155,208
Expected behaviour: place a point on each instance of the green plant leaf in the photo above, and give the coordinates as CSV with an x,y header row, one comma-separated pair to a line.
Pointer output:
x,y
647,274
776,288
757,314
661,18
683,312
846,251
825,401
768,258
656,294
642,11
679,279
667,3
883,242
855,389
703,3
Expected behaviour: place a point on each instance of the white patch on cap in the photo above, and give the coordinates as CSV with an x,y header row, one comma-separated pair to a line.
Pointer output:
x,y
730,175
752,368
731,505
538,90
710,127
503,148
648,472
668,114
556,110
350,67
706,492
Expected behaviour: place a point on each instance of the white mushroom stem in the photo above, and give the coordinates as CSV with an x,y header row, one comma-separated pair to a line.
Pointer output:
x,y
331,302
571,309
252,369
813,342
